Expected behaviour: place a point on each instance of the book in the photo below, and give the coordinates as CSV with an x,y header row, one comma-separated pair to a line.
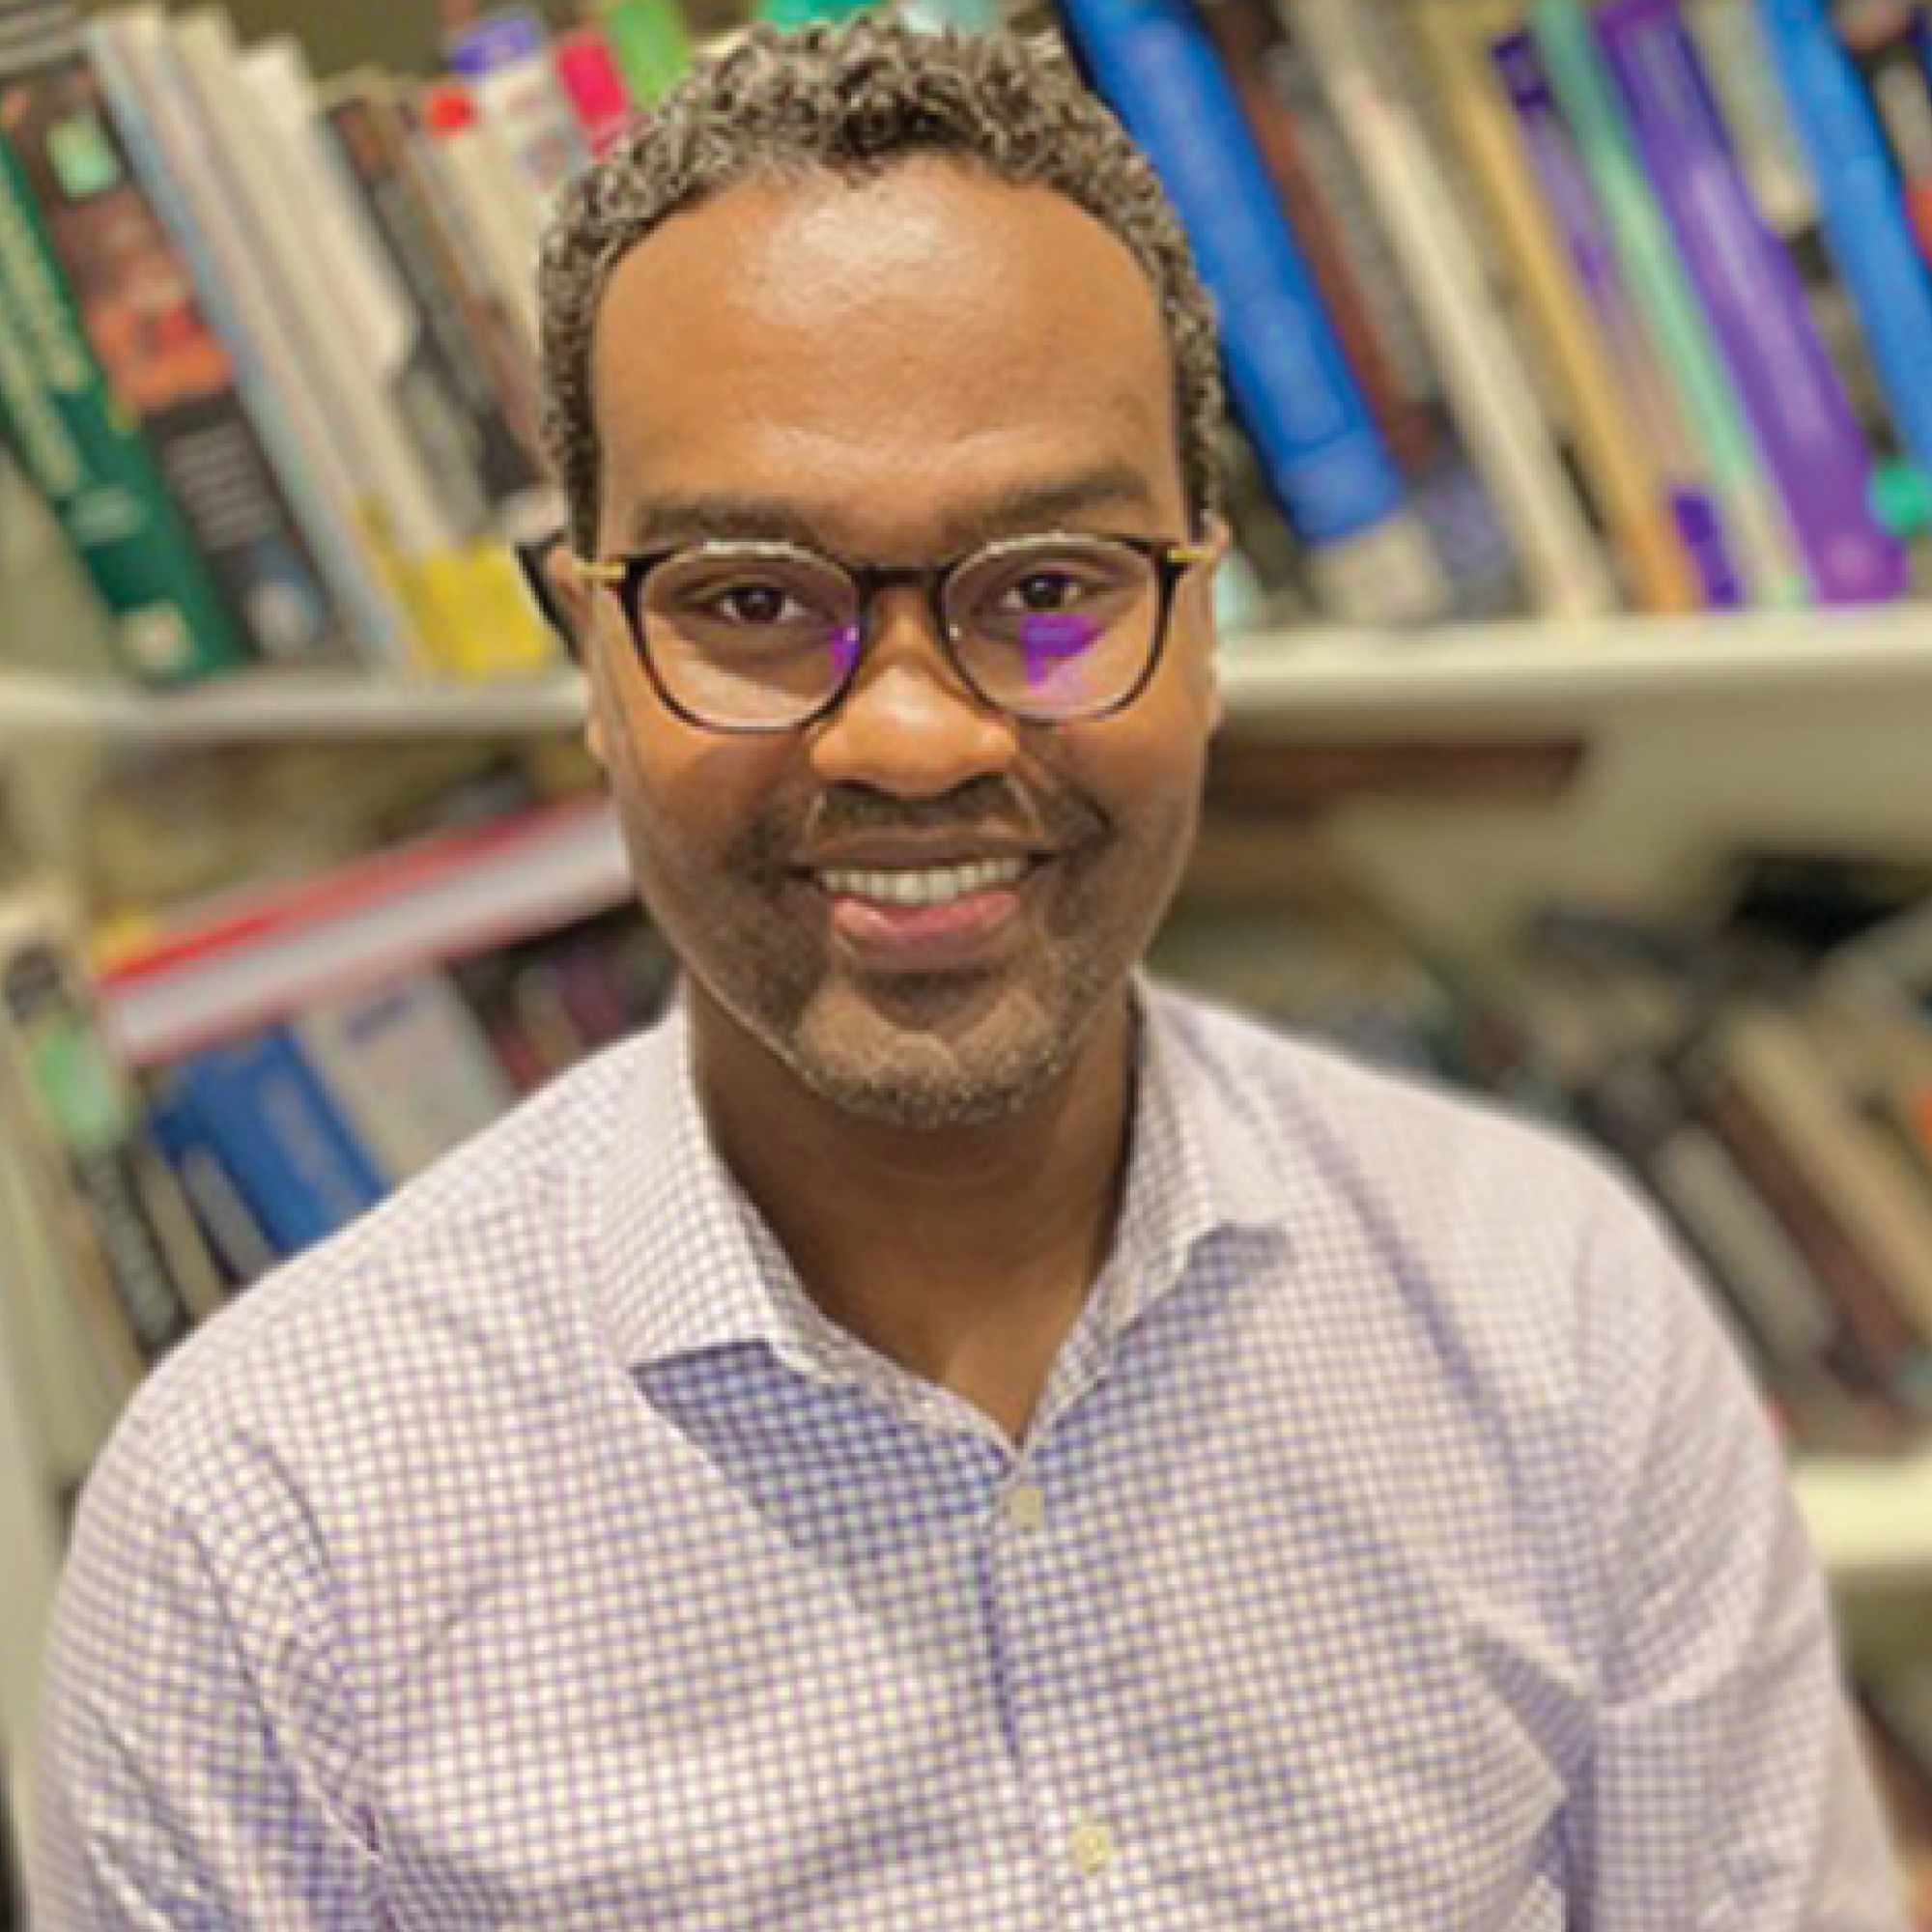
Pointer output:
x,y
1865,220
185,170
1509,439
410,1068
1624,474
1889,47
1328,466
1328,208
93,466
279,1135
234,1232
456,405
1793,398
165,364
126,1209
1755,522
1652,407
650,41
595,84
460,588
505,59
501,217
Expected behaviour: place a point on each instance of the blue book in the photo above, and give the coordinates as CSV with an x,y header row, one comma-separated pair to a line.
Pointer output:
x,y
230,1225
278,1132
1319,445
1865,217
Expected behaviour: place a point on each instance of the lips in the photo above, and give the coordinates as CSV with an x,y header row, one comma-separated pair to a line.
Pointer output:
x,y
925,921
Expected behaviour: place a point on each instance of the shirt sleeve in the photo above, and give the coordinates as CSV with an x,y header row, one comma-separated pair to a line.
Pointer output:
x,y
1727,1790
196,1748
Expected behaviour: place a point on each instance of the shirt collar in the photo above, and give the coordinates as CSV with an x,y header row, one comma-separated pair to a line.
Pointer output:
x,y
687,1266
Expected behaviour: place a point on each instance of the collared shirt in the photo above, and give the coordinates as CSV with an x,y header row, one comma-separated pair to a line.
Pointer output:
x,y
1397,1543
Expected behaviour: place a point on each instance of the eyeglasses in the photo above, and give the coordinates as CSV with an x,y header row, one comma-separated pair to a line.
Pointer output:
x,y
768,637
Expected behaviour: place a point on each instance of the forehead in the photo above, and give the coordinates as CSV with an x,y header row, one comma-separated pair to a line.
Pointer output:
x,y
881,352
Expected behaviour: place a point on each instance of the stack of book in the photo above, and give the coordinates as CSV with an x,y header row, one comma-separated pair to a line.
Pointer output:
x,y
1573,306
267,347
1530,306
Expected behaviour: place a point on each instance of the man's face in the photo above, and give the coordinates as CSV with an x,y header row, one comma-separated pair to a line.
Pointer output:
x,y
895,372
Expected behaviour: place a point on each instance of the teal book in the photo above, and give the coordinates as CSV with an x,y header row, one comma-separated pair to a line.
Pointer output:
x,y
88,459
1762,540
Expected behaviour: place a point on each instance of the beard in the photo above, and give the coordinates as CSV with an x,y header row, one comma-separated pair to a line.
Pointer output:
x,y
923,1052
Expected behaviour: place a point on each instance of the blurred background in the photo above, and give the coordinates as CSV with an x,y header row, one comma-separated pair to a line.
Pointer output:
x,y
1576,647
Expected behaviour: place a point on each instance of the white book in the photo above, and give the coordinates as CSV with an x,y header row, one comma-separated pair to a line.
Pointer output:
x,y
1485,374
191,177
286,194
410,1069
500,216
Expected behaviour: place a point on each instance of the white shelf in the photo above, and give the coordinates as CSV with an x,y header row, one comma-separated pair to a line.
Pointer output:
x,y
1319,678
1871,1521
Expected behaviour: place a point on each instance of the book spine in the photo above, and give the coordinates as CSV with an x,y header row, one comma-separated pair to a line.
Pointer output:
x,y
649,39
280,1137
230,1225
500,215
1654,405
451,365
595,87
1330,468
1754,515
88,1109
1624,480
1329,209
1887,47
409,1069
1738,68
1280,97
1865,223
1874,1347
92,465
1756,304
166,366
504,58
1508,435
241,300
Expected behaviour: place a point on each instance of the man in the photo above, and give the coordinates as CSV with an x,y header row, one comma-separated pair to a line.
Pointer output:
x,y
940,1433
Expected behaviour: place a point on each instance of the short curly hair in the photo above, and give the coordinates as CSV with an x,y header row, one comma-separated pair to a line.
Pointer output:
x,y
851,99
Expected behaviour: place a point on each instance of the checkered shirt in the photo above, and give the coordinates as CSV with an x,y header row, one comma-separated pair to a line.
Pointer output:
x,y
1397,1544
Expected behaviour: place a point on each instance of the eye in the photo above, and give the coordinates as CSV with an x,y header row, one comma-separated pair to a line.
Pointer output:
x,y
1043,591
761,606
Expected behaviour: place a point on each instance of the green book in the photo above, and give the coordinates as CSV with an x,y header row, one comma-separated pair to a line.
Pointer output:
x,y
649,40
1754,513
89,461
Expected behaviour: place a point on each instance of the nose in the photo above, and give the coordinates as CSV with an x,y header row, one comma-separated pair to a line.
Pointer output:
x,y
910,725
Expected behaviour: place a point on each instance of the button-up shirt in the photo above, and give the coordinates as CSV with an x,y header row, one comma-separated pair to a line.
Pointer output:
x,y
1396,1543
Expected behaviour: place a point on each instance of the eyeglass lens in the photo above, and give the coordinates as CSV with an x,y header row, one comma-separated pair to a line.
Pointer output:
x,y
1049,629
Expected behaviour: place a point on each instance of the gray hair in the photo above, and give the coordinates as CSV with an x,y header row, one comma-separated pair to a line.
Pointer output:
x,y
852,100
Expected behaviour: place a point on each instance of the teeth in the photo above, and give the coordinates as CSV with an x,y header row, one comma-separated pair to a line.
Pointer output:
x,y
924,889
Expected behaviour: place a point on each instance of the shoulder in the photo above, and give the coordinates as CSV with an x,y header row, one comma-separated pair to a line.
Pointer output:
x,y
1451,1171
471,1270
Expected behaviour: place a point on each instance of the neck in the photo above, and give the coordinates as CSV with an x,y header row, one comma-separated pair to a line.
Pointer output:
x,y
964,1255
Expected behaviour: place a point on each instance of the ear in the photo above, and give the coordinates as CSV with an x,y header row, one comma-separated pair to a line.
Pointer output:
x,y
1218,537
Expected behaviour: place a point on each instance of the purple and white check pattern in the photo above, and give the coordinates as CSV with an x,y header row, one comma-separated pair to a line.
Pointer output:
x,y
1398,1545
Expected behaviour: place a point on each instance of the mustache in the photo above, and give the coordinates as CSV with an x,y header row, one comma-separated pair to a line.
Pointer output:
x,y
982,808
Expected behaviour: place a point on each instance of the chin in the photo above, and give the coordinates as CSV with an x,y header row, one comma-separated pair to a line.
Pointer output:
x,y
928,1057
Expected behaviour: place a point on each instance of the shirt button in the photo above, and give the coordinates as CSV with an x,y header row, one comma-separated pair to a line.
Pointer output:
x,y
1026,1506
1091,1845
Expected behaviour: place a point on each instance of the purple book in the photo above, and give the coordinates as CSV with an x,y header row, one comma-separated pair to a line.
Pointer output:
x,y
1797,405
1565,181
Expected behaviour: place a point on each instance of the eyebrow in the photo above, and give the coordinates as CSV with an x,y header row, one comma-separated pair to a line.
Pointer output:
x,y
733,516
